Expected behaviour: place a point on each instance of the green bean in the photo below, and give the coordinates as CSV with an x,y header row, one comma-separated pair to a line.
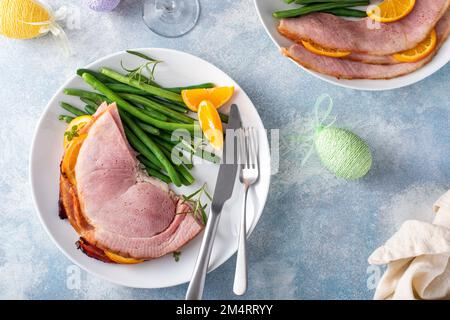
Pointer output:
x,y
147,162
94,98
89,110
168,138
148,128
124,88
65,118
83,93
92,95
184,162
164,143
134,111
151,105
175,159
140,147
153,147
154,114
170,104
315,8
72,109
196,86
90,102
198,152
186,175
189,179
288,1
181,107
143,86
155,173
180,104
97,98
345,12
169,147
153,170
96,74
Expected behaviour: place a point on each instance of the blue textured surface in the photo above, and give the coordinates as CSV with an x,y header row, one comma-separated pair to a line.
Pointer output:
x,y
316,232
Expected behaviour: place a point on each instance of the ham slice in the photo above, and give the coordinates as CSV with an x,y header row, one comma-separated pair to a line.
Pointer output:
x,y
347,69
115,206
372,59
334,32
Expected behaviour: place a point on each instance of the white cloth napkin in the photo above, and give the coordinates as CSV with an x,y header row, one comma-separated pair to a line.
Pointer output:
x,y
418,258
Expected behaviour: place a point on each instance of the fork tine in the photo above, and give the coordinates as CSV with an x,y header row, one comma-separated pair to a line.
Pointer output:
x,y
253,145
241,146
249,147
246,148
256,140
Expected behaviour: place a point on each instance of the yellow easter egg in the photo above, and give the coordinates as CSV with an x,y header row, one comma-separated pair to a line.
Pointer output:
x,y
17,18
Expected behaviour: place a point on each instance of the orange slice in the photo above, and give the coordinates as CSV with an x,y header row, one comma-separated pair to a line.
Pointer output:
x,y
390,10
119,259
75,126
315,48
210,122
419,52
218,96
70,157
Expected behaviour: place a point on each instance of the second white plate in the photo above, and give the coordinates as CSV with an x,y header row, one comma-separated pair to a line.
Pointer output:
x,y
265,9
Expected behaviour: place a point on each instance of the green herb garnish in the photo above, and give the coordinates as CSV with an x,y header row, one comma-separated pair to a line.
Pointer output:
x,y
136,73
176,255
194,199
72,133
141,55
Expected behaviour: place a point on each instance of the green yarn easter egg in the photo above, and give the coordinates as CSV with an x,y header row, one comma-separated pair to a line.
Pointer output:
x,y
343,152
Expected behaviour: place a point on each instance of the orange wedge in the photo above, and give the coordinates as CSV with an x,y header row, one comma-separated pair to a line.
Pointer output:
x,y
315,48
390,10
119,259
75,126
210,122
419,52
218,96
70,157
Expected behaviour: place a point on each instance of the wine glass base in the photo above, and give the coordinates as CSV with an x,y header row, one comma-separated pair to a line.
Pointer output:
x,y
171,19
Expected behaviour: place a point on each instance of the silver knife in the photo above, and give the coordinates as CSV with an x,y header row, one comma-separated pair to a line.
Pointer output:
x,y
222,192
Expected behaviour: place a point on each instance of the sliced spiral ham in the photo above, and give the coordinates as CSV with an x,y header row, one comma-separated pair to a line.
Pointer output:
x,y
360,36
115,206
347,69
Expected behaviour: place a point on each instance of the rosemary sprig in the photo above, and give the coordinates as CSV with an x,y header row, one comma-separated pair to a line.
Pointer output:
x,y
137,72
149,66
194,199
141,55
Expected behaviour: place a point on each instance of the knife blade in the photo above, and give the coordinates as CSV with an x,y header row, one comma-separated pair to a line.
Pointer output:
x,y
222,192
227,171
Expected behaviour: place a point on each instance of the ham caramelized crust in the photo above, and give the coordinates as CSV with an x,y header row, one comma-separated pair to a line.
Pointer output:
x,y
347,69
331,31
115,206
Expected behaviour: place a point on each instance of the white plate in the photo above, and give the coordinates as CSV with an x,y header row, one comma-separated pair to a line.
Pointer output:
x,y
265,9
178,69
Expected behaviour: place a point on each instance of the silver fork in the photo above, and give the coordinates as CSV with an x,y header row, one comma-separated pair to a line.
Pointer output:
x,y
248,175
